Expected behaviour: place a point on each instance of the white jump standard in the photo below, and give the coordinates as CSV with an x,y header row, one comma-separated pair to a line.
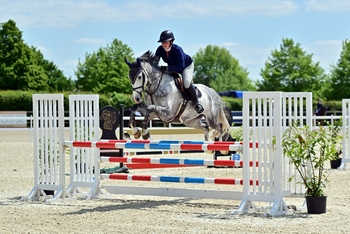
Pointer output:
x,y
265,170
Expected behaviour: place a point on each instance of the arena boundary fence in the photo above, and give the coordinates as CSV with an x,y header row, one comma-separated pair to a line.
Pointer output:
x,y
261,114
345,132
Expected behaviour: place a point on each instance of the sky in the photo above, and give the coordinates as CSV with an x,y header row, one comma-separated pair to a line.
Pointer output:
x,y
66,30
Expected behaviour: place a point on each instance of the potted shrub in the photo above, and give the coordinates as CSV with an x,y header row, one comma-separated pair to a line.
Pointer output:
x,y
308,150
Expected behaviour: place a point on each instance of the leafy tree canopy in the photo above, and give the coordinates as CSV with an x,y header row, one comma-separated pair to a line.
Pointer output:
x,y
23,67
290,69
218,69
105,71
340,75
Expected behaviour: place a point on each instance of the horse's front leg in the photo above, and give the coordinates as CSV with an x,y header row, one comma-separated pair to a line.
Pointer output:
x,y
144,126
145,122
132,122
160,111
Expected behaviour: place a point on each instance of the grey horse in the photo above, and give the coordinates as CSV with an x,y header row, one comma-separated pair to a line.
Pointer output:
x,y
164,100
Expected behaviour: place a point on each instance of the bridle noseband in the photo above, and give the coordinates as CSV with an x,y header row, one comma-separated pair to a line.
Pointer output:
x,y
144,75
133,79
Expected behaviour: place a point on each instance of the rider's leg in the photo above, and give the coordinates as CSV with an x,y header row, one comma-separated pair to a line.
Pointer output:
x,y
192,92
187,78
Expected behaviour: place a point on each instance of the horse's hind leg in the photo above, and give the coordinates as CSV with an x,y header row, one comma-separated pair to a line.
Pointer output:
x,y
198,124
221,127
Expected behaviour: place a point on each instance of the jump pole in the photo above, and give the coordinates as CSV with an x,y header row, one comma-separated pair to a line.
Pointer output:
x,y
140,165
177,161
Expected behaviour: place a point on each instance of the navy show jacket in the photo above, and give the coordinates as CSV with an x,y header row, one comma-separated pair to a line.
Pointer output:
x,y
176,59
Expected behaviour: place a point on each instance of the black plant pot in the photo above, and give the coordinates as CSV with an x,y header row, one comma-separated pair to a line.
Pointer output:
x,y
335,163
316,205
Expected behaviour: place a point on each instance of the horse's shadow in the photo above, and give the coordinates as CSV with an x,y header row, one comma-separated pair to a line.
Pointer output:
x,y
143,205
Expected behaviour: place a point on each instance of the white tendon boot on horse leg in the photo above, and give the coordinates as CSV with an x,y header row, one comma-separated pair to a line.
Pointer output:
x,y
136,132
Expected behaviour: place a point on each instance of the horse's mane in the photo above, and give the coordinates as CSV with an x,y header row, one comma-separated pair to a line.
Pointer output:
x,y
149,57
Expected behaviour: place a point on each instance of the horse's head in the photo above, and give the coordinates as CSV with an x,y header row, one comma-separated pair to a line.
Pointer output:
x,y
138,73
137,78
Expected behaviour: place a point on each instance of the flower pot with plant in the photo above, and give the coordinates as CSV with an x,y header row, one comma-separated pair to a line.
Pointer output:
x,y
308,150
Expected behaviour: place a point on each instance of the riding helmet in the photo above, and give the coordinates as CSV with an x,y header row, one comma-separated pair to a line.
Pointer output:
x,y
166,35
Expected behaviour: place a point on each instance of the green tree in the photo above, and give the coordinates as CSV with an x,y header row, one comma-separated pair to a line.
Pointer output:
x,y
13,57
340,75
57,82
217,68
23,67
290,69
105,71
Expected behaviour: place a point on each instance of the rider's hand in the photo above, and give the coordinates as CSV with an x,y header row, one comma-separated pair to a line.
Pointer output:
x,y
163,68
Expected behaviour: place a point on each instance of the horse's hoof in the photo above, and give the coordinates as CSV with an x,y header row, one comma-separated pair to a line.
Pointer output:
x,y
146,136
126,136
137,134
224,152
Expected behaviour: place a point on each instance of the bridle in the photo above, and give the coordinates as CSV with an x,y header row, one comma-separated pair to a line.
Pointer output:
x,y
142,72
148,85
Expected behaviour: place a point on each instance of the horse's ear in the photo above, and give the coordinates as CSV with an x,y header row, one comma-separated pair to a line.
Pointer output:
x,y
127,62
156,59
138,60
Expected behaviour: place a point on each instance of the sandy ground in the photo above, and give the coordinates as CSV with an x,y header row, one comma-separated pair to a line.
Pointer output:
x,y
145,214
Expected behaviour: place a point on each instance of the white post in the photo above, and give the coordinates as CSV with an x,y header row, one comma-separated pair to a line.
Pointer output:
x,y
293,106
84,162
261,116
48,140
346,132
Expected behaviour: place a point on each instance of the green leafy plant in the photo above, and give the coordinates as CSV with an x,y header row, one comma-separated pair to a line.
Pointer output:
x,y
308,150
237,133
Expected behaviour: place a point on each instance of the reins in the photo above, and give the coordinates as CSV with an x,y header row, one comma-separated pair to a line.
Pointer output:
x,y
148,86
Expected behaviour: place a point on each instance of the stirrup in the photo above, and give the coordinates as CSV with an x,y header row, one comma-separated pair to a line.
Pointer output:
x,y
199,108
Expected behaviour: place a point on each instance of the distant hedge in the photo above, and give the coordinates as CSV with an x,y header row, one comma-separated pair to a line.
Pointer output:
x,y
22,100
236,104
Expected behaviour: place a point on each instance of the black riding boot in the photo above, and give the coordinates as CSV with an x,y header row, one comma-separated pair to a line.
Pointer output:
x,y
192,92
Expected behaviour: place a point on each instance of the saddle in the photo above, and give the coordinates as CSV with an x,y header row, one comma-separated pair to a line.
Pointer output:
x,y
180,86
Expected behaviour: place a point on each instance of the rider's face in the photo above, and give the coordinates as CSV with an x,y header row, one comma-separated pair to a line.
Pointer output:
x,y
166,45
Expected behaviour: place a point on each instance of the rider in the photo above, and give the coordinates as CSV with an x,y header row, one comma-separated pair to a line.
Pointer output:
x,y
319,106
179,62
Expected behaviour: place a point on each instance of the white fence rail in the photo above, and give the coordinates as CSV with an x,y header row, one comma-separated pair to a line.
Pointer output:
x,y
29,120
